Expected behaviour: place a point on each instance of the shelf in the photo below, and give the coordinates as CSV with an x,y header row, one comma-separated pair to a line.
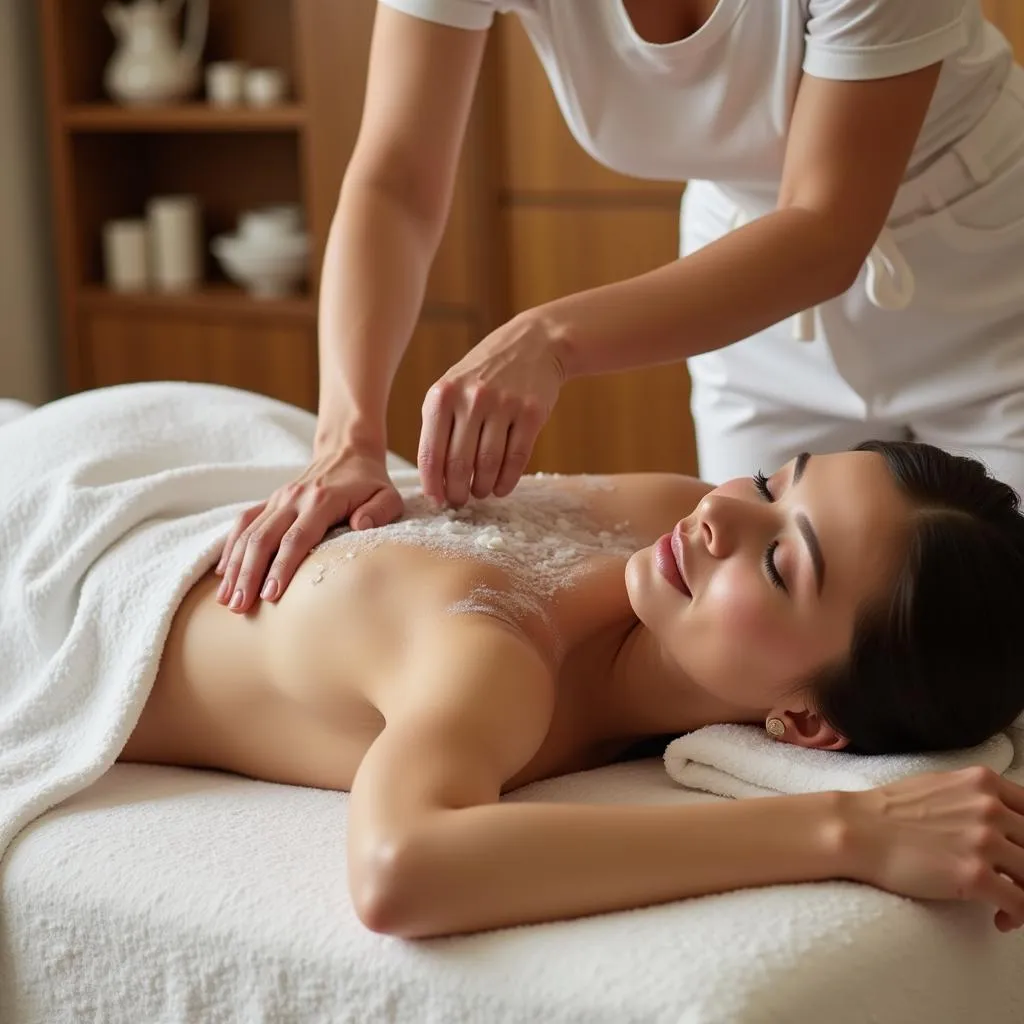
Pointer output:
x,y
217,300
185,117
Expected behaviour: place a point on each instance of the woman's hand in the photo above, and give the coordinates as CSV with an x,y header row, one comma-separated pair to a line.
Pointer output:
x,y
482,418
351,485
947,836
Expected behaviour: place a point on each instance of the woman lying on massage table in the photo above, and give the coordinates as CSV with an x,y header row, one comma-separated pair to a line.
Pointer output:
x,y
869,599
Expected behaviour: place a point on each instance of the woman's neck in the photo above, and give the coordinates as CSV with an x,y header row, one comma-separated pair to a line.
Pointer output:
x,y
649,695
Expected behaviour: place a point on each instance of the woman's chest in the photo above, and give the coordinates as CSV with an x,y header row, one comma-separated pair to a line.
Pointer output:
x,y
714,105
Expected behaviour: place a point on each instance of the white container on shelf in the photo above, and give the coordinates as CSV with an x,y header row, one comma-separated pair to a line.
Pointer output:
x,y
267,223
269,269
265,87
126,255
225,83
269,253
175,228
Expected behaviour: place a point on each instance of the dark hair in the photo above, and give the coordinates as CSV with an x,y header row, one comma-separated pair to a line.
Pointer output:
x,y
939,663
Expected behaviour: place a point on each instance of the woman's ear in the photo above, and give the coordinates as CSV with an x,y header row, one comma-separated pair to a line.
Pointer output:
x,y
809,729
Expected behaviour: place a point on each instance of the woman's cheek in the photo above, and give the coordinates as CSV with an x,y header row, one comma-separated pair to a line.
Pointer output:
x,y
737,601
745,616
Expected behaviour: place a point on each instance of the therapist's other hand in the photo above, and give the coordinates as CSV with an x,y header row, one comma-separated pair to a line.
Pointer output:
x,y
482,418
955,835
285,528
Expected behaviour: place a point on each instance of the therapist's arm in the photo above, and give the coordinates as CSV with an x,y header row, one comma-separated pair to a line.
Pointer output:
x,y
848,149
390,217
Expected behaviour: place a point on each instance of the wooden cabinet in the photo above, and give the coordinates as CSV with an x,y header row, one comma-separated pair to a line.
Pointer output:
x,y
534,217
108,160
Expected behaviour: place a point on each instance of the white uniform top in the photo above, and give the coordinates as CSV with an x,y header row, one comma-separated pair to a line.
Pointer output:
x,y
931,336
716,106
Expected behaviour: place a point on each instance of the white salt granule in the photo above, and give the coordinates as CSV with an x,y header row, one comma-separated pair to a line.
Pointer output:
x,y
539,535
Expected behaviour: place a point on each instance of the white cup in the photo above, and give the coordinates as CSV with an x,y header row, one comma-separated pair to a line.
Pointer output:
x,y
125,255
264,87
225,83
175,232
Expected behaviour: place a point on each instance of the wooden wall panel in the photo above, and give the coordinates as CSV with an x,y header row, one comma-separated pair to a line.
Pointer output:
x,y
277,360
617,423
1008,15
558,249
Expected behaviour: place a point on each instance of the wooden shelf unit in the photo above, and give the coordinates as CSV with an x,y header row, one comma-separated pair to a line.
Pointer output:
x,y
219,301
109,159
184,117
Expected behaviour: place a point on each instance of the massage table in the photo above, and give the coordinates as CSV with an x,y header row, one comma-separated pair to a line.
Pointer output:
x,y
177,895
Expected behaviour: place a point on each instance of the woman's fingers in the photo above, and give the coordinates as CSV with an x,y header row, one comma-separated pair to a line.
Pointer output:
x,y
460,454
242,523
244,578
237,554
298,540
435,436
1004,894
458,464
522,436
382,508
1008,858
1011,794
490,454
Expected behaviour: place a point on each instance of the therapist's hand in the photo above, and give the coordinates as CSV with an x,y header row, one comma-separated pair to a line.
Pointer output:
x,y
482,418
335,486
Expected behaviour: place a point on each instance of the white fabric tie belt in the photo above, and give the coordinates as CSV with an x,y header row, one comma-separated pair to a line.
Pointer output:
x,y
890,281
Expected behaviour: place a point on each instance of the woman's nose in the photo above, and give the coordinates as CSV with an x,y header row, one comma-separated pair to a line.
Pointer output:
x,y
724,522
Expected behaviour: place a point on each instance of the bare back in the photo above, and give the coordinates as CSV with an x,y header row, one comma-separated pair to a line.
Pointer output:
x,y
297,691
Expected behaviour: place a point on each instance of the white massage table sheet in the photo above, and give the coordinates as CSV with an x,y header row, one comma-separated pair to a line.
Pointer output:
x,y
164,894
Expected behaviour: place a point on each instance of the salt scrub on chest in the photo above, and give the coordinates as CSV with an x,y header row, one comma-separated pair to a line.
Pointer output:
x,y
540,535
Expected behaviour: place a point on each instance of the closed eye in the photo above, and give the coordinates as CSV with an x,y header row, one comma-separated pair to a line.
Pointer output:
x,y
761,483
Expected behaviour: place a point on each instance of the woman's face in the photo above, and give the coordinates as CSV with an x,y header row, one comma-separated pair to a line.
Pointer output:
x,y
760,586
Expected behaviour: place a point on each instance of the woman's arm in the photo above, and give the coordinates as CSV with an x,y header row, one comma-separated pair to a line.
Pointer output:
x,y
431,851
391,213
496,865
848,147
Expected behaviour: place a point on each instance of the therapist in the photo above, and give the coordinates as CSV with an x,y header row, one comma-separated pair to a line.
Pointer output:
x,y
852,246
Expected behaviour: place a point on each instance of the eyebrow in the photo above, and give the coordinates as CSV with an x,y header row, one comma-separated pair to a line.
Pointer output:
x,y
804,525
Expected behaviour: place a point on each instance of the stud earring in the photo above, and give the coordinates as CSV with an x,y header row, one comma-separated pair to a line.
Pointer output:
x,y
775,726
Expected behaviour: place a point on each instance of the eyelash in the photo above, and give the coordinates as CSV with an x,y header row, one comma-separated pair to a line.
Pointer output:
x,y
761,483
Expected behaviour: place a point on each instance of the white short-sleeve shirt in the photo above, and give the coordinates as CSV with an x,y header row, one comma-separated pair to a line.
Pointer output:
x,y
717,105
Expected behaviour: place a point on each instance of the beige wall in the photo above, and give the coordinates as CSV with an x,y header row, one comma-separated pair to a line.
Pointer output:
x,y
27,283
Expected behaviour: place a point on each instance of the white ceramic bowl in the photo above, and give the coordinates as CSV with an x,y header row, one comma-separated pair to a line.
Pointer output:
x,y
268,223
267,270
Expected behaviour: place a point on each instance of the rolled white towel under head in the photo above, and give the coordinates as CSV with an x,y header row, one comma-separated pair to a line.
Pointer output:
x,y
744,761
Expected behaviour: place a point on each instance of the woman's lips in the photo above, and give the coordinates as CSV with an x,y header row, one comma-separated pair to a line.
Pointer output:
x,y
669,565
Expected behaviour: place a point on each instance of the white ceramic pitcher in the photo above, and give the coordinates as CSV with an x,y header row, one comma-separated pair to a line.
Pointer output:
x,y
150,64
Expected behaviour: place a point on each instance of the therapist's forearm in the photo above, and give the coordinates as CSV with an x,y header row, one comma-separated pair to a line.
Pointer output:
x,y
738,285
374,276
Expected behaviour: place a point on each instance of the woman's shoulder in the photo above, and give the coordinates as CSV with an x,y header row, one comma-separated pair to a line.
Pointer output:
x,y
650,503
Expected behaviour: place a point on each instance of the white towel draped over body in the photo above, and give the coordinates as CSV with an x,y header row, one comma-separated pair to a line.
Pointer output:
x,y
112,504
